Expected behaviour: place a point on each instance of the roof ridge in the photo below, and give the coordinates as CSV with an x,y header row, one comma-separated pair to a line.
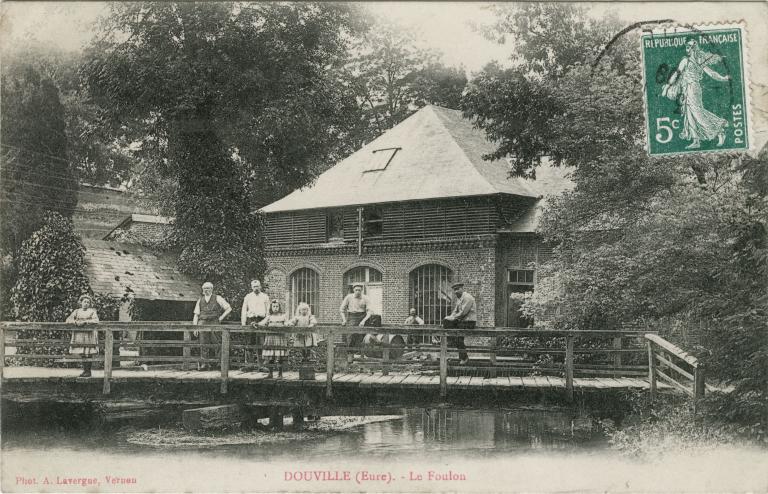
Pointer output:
x,y
466,156
463,152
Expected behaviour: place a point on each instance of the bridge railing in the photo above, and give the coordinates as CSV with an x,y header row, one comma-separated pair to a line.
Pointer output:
x,y
420,349
675,367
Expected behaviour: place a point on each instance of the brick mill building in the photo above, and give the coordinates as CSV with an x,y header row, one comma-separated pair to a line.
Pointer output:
x,y
406,215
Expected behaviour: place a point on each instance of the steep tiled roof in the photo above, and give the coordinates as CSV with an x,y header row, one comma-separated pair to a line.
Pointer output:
x,y
439,155
117,269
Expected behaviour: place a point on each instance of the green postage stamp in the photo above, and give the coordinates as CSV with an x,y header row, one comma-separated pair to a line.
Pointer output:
x,y
696,89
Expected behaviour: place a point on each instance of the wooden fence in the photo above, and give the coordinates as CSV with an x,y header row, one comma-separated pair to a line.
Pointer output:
x,y
675,367
493,351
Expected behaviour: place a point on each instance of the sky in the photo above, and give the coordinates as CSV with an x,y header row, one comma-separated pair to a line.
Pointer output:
x,y
445,26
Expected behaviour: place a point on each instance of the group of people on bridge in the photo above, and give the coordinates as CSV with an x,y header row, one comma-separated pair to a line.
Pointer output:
x,y
259,311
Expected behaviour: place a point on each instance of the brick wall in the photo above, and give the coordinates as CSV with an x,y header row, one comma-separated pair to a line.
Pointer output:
x,y
475,264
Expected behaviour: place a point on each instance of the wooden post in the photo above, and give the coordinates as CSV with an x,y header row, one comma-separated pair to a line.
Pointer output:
x,y
187,350
275,418
224,360
492,357
359,231
329,366
651,371
569,367
298,418
617,355
2,350
109,344
698,386
385,355
443,365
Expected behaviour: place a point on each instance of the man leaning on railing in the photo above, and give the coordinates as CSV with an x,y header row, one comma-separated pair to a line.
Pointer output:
x,y
209,310
464,316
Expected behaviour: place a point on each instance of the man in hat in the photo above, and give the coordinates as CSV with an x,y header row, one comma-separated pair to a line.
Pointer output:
x,y
464,316
210,309
355,311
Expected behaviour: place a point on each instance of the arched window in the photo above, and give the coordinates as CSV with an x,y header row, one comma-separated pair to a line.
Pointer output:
x,y
430,292
370,278
305,287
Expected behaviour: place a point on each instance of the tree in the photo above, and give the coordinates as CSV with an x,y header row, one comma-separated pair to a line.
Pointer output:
x,y
36,174
391,77
231,106
513,105
638,238
94,157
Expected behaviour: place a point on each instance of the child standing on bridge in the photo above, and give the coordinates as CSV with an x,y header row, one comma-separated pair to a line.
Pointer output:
x,y
276,318
84,343
304,319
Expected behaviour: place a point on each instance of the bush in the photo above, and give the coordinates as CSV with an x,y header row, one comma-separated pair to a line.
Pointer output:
x,y
51,278
670,425
51,275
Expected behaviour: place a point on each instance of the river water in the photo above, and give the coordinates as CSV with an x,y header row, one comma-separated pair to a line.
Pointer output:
x,y
414,450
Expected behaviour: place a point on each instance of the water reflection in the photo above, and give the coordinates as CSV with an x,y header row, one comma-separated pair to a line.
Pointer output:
x,y
418,430
526,449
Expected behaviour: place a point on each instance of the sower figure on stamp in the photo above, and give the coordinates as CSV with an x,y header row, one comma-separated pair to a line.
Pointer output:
x,y
210,310
699,124
464,316
355,311
255,309
84,343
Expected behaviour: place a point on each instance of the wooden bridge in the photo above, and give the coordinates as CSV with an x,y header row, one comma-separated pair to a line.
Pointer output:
x,y
503,362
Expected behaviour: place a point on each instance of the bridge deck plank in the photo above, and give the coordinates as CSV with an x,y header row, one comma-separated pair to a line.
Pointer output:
x,y
498,382
341,377
397,379
516,381
367,380
529,382
291,378
463,382
556,382
434,381
541,381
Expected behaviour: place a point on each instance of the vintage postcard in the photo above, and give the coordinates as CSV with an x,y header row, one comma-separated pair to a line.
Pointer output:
x,y
681,66
383,247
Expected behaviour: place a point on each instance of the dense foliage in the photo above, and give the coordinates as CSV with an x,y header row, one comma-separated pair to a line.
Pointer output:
x,y
258,76
50,280
51,272
36,175
94,157
233,105
637,237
